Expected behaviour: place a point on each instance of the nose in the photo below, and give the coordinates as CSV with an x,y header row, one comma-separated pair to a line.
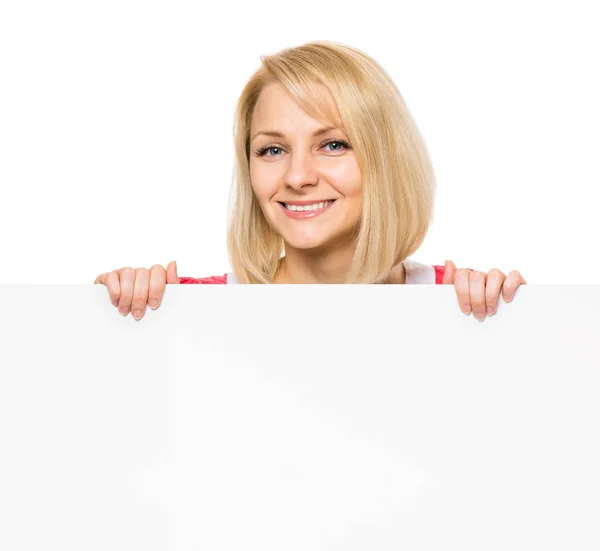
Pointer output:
x,y
302,170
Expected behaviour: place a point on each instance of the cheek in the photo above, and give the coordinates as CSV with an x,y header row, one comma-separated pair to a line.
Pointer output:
x,y
258,183
346,178
263,181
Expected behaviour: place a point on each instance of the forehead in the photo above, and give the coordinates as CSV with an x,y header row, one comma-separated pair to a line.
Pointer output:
x,y
276,107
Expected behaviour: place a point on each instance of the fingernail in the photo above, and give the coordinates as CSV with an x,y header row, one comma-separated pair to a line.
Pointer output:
x,y
123,310
466,309
153,303
136,314
490,311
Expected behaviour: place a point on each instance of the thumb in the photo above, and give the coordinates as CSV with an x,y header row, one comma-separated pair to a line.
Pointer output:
x,y
449,269
172,277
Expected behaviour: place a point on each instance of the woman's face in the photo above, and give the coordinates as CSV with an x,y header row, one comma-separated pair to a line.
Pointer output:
x,y
301,167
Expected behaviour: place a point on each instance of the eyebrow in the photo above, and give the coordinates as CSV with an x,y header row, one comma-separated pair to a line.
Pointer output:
x,y
280,135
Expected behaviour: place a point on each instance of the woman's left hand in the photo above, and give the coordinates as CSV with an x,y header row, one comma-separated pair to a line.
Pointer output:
x,y
480,291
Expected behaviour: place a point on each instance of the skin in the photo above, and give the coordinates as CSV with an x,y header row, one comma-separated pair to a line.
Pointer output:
x,y
299,166
303,167
479,292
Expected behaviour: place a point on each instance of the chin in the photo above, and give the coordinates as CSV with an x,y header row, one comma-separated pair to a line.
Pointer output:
x,y
305,244
311,242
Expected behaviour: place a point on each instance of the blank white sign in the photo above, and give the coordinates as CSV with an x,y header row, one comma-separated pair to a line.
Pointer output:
x,y
299,418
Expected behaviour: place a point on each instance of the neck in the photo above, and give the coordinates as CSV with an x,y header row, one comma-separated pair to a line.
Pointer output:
x,y
305,267
300,266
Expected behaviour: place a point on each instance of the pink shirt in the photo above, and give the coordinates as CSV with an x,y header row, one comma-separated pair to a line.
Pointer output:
x,y
415,273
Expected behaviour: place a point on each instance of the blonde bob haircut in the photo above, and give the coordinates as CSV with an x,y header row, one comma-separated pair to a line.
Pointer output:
x,y
398,182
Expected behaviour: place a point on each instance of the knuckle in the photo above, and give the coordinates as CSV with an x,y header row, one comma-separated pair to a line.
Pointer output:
x,y
491,299
125,299
139,298
155,293
478,305
112,284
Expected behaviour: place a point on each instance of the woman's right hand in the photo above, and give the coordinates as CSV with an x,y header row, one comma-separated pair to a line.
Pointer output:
x,y
131,289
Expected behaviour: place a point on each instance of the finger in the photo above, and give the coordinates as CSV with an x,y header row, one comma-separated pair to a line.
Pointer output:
x,y
449,269
113,286
156,288
126,281
461,284
111,281
477,281
172,277
511,285
140,293
495,279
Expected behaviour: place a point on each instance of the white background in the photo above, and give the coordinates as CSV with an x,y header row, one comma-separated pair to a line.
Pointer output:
x,y
393,422
116,127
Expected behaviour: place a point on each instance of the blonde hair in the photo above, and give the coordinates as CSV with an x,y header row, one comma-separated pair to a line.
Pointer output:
x,y
398,182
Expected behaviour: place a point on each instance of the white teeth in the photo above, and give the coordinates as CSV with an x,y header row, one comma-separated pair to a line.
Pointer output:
x,y
316,206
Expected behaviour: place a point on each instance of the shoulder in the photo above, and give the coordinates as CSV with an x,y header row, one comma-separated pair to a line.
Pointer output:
x,y
417,273
439,274
211,280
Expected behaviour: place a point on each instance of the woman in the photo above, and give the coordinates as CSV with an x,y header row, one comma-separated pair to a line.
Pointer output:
x,y
333,184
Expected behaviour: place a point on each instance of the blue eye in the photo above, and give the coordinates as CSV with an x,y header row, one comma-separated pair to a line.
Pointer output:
x,y
261,152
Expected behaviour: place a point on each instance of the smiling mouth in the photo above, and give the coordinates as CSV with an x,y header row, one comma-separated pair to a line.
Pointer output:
x,y
307,208
310,212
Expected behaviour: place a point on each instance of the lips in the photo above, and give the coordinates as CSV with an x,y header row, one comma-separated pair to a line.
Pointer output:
x,y
305,214
304,203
